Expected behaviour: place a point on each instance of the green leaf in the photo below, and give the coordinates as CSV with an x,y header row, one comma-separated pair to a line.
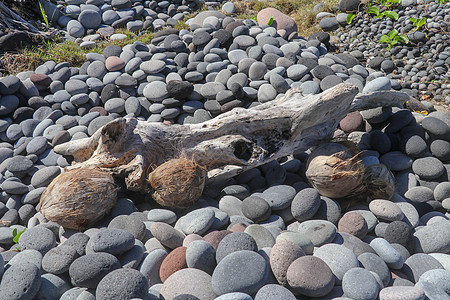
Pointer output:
x,y
17,235
422,22
392,34
413,20
403,39
270,22
350,18
391,14
373,10
44,15
254,19
394,42
384,39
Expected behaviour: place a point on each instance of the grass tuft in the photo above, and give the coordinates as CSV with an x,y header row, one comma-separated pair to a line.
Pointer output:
x,y
59,51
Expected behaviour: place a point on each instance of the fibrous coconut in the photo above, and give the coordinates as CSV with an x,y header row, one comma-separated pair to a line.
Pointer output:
x,y
78,198
335,171
178,182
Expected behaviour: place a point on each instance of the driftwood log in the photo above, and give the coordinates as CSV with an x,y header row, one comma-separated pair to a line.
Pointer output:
x,y
228,144
174,161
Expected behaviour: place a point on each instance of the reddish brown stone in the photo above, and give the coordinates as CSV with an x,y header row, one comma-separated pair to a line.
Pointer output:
x,y
41,79
280,20
100,109
238,227
114,63
214,237
354,224
174,261
352,122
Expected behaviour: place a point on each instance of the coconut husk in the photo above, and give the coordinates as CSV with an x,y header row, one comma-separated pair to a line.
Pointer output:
x,y
78,198
335,171
379,182
178,182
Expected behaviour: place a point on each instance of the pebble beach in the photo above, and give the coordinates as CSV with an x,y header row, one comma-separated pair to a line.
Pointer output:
x,y
266,233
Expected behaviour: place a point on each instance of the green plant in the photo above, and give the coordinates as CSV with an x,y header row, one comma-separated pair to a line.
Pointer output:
x,y
381,15
441,1
44,15
270,22
393,38
254,19
17,235
418,22
350,18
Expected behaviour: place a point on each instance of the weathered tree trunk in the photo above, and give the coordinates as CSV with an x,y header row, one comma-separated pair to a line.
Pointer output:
x,y
228,144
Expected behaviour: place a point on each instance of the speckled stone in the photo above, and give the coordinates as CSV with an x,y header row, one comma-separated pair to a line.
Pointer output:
x,y
241,271
339,258
124,283
354,224
386,210
402,293
359,283
390,256
310,276
305,204
174,261
319,232
419,263
190,282
283,253
233,242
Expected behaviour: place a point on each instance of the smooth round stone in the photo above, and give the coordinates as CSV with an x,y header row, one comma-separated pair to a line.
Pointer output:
x,y
235,56
19,164
153,66
271,291
329,210
266,92
52,287
112,240
310,276
114,63
262,235
295,237
419,263
386,210
330,81
76,86
233,242
438,277
319,231
201,255
194,283
402,293
256,208
78,241
310,87
339,258
242,271
440,149
436,127
433,238
354,224
296,72
44,176
279,197
419,194
197,221
75,29
415,146
396,161
282,254
442,191
9,85
380,141
37,145
359,283
20,281
89,269
131,223
175,261
305,204
90,19
398,232
58,259
257,71
115,105
389,255
155,91
27,256
428,168
374,263
124,283
167,235
378,84
161,215
38,238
